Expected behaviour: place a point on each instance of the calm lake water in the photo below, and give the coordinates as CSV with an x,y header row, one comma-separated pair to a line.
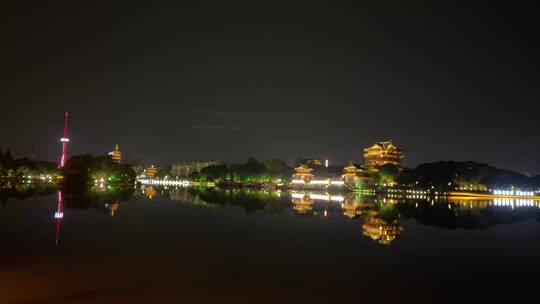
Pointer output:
x,y
208,245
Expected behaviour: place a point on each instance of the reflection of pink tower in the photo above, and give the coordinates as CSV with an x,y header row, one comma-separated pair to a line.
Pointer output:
x,y
59,215
64,140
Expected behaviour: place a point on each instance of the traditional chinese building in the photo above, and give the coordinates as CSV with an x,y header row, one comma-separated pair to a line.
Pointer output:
x,y
150,172
350,173
353,175
382,153
303,172
116,155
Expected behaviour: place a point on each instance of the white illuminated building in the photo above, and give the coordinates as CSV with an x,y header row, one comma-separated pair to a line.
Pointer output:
x,y
165,182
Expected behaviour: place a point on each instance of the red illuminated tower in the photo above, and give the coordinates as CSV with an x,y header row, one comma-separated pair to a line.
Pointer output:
x,y
59,214
64,140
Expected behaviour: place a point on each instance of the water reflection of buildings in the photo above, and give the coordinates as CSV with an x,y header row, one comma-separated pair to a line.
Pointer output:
x,y
112,207
351,207
302,203
59,215
149,192
185,196
176,194
380,218
497,202
379,230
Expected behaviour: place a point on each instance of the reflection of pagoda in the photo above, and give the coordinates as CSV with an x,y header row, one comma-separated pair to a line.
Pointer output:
x,y
303,204
112,207
303,172
351,207
379,230
150,192
185,196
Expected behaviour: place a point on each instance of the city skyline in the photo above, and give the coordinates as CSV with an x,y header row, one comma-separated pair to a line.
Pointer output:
x,y
282,82
380,153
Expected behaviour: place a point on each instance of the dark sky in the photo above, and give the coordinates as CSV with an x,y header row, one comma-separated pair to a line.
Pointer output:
x,y
179,80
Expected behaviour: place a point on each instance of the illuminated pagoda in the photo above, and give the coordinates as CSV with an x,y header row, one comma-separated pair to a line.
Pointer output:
x,y
353,175
303,172
116,155
382,153
150,172
350,173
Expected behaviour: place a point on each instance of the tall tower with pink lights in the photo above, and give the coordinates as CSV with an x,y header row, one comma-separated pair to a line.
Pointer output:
x,y
59,214
64,140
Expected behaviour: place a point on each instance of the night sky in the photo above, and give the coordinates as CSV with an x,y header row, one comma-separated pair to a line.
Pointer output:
x,y
176,81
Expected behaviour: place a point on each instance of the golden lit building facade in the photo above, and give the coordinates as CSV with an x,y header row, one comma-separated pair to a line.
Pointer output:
x,y
150,172
303,172
350,173
354,175
116,155
382,153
